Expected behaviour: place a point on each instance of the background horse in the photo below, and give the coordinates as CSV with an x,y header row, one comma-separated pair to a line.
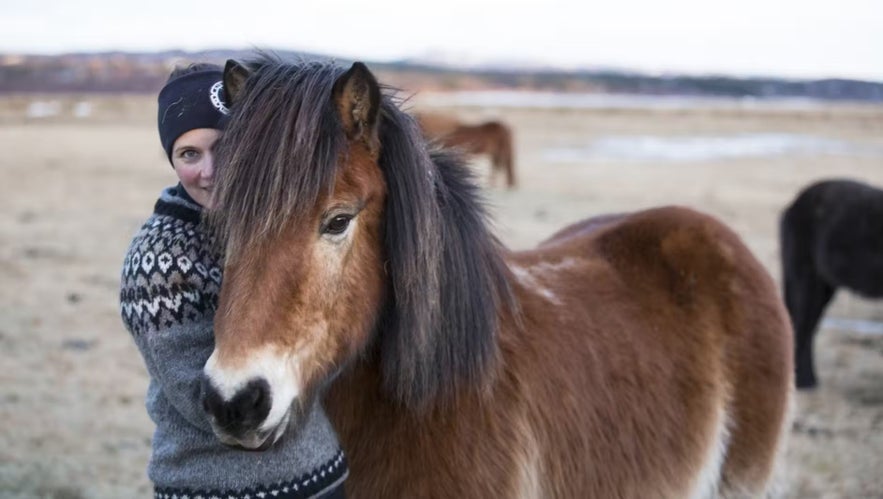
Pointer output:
x,y
492,138
642,355
831,236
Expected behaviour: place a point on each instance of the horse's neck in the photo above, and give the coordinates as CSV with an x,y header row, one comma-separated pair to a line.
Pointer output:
x,y
361,411
394,450
355,399
371,428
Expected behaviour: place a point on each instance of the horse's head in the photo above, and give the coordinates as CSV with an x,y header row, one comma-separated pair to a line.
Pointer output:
x,y
326,204
303,280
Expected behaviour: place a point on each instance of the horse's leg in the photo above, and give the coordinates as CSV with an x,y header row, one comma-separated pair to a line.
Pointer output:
x,y
493,154
508,160
806,296
806,305
806,292
510,174
495,167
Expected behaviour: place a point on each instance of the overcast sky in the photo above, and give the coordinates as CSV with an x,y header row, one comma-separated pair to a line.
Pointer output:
x,y
791,38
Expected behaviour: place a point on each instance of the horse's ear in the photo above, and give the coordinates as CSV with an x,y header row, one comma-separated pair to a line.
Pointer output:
x,y
357,97
235,75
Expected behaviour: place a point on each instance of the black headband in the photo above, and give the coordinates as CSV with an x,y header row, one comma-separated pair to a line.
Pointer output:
x,y
195,100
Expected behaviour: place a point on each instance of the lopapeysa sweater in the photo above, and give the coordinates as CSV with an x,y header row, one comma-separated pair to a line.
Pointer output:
x,y
169,290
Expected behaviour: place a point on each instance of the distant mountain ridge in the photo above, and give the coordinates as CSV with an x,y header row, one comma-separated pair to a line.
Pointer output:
x,y
147,71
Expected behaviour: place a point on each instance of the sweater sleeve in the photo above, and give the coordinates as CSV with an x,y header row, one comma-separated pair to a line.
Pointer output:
x,y
175,357
168,296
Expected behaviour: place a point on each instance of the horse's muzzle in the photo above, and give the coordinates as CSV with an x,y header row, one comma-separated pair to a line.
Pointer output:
x,y
237,421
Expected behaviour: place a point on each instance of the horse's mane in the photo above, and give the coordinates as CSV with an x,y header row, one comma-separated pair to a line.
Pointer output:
x,y
448,282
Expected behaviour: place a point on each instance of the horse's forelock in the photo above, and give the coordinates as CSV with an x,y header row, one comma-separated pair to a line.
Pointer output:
x,y
278,153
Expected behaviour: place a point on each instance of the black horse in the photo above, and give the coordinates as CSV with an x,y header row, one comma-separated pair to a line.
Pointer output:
x,y
831,236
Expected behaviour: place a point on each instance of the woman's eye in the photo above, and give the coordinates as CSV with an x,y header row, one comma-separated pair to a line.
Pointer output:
x,y
337,225
189,154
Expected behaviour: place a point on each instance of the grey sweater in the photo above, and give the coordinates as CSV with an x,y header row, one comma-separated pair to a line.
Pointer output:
x,y
169,291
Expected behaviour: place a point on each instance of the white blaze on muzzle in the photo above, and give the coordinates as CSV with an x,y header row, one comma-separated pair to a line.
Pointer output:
x,y
280,370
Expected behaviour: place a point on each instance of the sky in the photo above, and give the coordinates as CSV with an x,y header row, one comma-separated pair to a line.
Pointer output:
x,y
785,38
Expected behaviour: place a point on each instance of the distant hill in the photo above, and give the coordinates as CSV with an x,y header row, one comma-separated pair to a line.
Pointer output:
x,y
146,73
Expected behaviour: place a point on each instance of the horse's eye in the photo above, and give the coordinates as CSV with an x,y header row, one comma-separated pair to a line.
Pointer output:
x,y
337,225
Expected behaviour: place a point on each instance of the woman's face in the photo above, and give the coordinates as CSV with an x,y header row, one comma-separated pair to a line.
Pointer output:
x,y
192,158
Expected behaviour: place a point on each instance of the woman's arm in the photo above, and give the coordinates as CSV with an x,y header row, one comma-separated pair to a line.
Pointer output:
x,y
169,288
175,357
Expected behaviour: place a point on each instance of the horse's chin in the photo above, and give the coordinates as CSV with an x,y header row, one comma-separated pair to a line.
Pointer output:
x,y
257,440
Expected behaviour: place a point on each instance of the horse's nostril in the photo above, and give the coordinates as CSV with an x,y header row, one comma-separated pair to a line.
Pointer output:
x,y
244,412
255,400
212,401
257,397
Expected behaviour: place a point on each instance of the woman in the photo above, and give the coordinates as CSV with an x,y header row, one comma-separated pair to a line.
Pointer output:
x,y
170,281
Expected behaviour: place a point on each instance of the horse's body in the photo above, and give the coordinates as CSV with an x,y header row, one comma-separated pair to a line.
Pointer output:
x,y
491,138
831,236
632,376
642,355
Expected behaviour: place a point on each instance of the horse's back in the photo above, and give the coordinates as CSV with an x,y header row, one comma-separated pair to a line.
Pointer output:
x,y
673,328
435,125
670,247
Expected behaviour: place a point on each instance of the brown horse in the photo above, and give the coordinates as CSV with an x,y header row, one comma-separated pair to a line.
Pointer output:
x,y
492,138
642,355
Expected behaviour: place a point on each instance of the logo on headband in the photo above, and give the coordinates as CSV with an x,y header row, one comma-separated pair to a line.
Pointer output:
x,y
216,95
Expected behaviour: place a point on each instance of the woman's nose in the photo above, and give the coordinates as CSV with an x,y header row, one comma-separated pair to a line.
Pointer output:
x,y
208,169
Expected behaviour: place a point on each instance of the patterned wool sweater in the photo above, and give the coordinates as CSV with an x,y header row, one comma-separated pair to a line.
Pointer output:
x,y
169,291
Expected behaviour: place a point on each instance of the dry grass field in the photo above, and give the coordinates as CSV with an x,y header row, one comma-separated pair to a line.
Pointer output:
x,y
79,174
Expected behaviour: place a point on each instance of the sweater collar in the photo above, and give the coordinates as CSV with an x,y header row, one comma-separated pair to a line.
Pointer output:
x,y
175,202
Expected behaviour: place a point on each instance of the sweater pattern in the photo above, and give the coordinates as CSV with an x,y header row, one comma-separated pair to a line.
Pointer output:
x,y
170,274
